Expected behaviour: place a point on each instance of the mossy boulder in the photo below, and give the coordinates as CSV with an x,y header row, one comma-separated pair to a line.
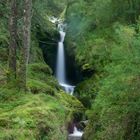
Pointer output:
x,y
40,67
37,86
40,76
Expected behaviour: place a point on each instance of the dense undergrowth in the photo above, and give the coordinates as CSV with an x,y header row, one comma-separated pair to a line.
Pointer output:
x,y
112,93
106,44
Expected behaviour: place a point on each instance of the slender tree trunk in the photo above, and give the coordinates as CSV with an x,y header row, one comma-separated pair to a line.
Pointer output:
x,y
25,50
13,40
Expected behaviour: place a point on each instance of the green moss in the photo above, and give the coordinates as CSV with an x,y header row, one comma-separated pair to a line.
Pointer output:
x,y
40,79
40,67
39,87
35,53
40,116
36,115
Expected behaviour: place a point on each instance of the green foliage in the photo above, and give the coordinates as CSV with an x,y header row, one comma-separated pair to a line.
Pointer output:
x,y
40,67
3,33
115,111
104,42
86,91
45,9
39,87
36,55
40,74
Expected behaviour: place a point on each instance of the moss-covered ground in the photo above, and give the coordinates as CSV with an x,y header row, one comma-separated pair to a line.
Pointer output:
x,y
42,113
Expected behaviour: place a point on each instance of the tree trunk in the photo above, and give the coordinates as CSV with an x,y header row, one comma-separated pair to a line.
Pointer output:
x,y
13,41
25,50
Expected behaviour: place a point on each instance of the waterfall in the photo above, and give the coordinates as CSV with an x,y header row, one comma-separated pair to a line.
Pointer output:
x,y
60,71
60,66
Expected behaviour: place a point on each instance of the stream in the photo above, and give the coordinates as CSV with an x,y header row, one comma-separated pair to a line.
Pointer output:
x,y
61,73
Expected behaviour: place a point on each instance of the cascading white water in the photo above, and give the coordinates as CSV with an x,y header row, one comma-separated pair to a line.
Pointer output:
x,y
60,71
76,133
60,66
61,75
